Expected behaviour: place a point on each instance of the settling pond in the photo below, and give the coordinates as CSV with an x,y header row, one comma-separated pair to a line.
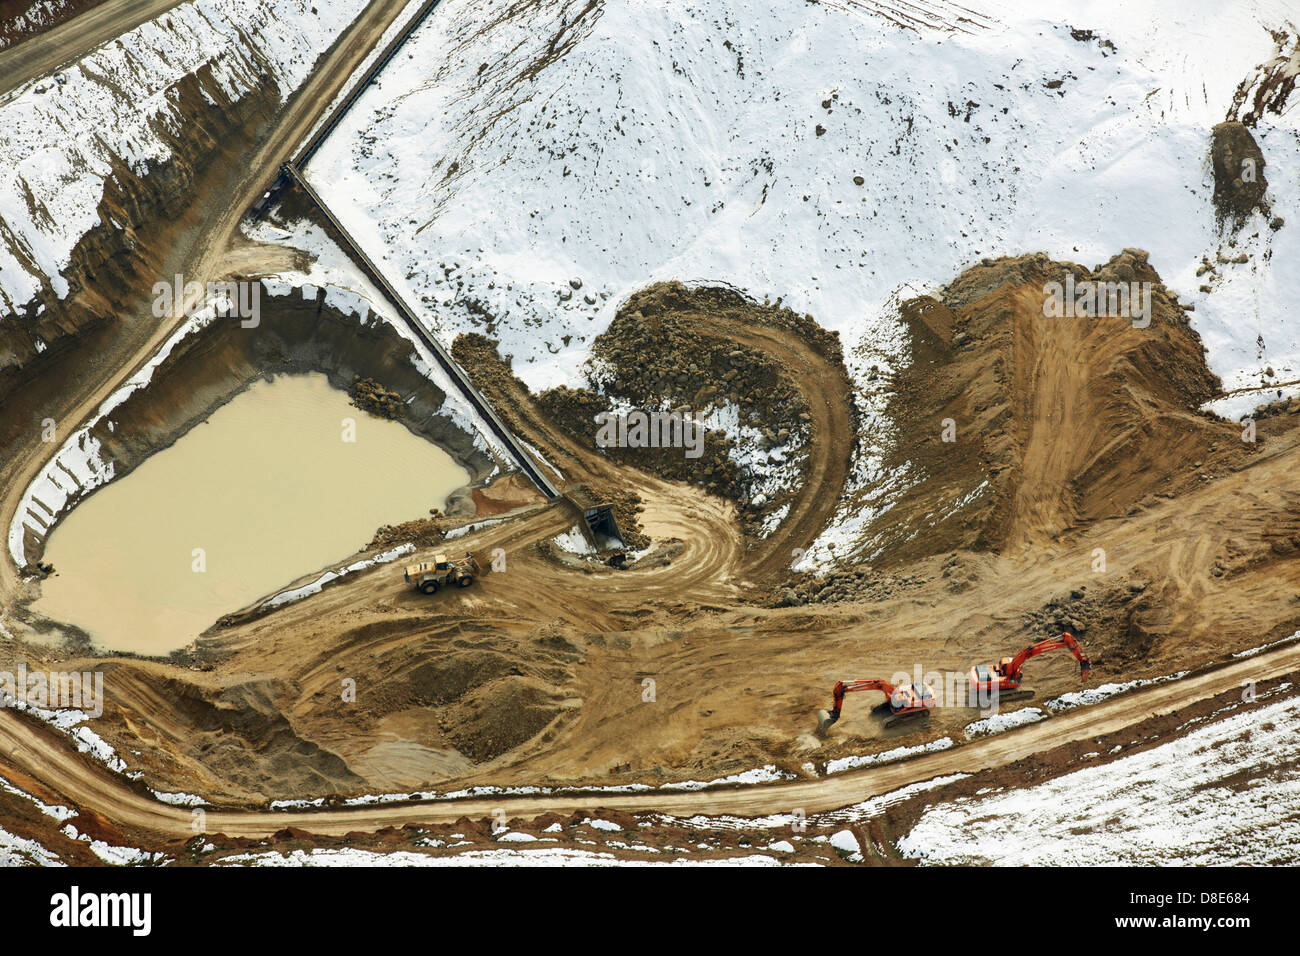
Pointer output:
x,y
265,491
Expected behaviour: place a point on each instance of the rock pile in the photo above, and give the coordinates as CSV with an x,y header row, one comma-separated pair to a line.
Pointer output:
x,y
368,395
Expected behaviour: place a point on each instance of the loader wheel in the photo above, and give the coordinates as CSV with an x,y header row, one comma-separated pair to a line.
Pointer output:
x,y
429,587
465,582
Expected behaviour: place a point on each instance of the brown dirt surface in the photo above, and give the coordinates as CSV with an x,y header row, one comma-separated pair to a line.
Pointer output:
x,y
1083,434
505,494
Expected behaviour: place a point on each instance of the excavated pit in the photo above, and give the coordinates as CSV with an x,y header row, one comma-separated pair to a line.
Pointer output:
x,y
212,366
1085,431
284,478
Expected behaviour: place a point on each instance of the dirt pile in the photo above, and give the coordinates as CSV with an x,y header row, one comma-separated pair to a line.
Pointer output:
x,y
1021,426
1239,181
689,352
666,350
421,532
450,677
238,734
501,716
370,396
843,584
505,494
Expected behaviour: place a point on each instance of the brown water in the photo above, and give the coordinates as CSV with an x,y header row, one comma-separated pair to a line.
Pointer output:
x,y
269,490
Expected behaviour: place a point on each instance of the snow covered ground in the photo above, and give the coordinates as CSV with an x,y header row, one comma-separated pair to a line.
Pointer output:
x,y
20,851
1224,794
550,856
63,134
518,147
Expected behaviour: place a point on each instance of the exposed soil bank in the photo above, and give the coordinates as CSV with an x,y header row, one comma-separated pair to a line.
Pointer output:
x,y
111,262
1022,429
210,367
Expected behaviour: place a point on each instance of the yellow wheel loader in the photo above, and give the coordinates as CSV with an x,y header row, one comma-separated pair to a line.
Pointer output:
x,y
429,576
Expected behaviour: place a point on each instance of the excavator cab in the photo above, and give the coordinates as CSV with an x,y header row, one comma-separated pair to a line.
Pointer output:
x,y
911,698
1004,679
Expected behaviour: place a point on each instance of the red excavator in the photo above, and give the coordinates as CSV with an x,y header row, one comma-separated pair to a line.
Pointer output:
x,y
1004,679
903,703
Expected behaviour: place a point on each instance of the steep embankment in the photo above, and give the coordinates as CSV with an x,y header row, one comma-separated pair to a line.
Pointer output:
x,y
101,162
1039,425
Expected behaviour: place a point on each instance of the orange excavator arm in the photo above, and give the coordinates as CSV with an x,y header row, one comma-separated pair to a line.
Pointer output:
x,y
843,687
1066,640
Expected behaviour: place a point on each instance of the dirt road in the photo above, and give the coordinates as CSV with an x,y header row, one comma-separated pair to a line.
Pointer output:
x,y
88,786
69,41
831,440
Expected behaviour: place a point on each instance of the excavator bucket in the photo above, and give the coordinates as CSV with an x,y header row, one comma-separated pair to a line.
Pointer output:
x,y
824,721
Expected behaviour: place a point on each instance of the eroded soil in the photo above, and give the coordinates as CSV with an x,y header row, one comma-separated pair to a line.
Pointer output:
x,y
1080,435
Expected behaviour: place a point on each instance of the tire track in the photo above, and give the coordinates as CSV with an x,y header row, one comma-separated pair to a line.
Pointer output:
x,y
88,786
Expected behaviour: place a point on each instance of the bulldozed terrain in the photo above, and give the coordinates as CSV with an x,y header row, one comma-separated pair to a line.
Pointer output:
x,y
1084,437
905,504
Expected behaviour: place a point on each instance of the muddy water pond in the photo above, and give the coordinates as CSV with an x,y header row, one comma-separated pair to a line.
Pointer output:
x,y
284,479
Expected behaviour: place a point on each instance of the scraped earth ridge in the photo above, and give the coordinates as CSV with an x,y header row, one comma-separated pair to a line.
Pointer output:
x,y
829,233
